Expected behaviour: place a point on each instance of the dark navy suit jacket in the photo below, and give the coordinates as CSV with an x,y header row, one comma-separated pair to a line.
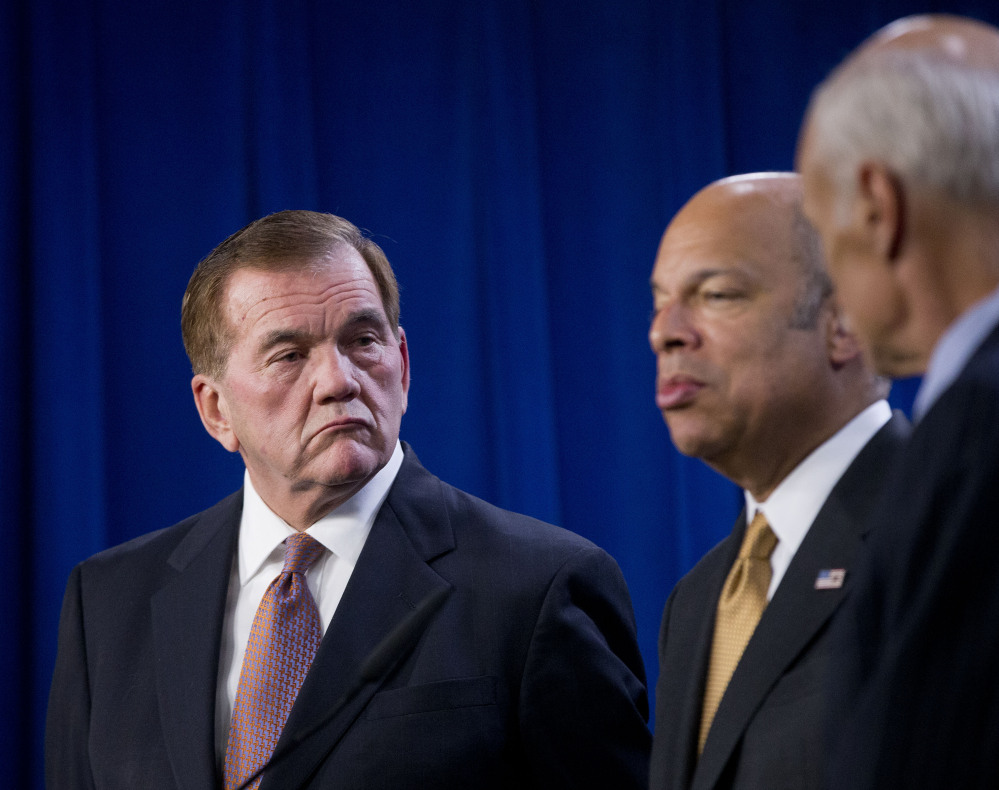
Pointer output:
x,y
768,731
528,676
918,646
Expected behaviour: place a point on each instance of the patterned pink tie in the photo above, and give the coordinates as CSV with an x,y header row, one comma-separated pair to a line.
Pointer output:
x,y
283,641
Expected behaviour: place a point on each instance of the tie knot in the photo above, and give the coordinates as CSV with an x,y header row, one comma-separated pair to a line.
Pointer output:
x,y
760,540
300,552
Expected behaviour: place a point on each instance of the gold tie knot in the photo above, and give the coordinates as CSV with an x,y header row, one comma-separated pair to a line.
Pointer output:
x,y
760,540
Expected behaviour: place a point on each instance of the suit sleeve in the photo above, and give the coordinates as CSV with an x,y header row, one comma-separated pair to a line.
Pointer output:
x,y
664,625
583,704
659,760
67,727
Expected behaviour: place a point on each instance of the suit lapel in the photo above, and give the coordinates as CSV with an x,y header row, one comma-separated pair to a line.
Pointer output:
x,y
391,577
798,611
701,621
187,618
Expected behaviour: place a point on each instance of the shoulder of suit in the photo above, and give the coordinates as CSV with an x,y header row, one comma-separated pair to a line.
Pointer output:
x,y
964,421
157,545
474,513
717,559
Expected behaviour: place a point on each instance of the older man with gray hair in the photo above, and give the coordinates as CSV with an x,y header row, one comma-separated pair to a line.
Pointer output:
x,y
900,160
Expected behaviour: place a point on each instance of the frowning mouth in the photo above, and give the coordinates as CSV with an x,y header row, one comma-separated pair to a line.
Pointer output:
x,y
341,424
677,392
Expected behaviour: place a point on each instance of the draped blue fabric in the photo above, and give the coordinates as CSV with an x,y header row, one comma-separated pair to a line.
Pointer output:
x,y
518,161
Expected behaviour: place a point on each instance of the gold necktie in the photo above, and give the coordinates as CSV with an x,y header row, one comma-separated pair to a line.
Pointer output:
x,y
742,601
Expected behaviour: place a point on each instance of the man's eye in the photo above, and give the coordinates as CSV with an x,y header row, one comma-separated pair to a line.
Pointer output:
x,y
289,356
720,296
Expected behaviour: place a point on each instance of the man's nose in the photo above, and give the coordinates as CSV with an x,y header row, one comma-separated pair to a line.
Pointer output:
x,y
672,327
335,375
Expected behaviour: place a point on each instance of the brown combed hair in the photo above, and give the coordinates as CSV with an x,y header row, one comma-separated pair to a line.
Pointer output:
x,y
285,241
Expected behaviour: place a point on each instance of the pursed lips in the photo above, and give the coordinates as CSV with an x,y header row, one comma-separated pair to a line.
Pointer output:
x,y
677,391
341,424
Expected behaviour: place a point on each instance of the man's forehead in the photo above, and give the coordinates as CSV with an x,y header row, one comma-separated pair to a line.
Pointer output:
x,y
726,241
687,266
252,292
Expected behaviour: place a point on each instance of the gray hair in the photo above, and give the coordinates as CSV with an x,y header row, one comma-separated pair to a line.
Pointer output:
x,y
816,287
934,121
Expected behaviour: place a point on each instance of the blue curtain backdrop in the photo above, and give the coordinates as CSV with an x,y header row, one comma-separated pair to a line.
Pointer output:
x,y
517,159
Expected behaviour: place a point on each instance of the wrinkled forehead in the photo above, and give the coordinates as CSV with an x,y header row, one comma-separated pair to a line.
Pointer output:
x,y
341,276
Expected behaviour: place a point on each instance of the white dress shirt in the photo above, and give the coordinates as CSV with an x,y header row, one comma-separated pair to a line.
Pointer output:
x,y
797,500
260,558
954,349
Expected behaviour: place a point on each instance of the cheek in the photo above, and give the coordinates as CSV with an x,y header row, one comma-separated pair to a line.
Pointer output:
x,y
770,363
867,302
255,398
389,403
385,390
267,410
838,254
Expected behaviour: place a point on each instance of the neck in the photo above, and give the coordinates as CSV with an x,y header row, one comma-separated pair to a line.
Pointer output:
x,y
953,263
774,460
302,508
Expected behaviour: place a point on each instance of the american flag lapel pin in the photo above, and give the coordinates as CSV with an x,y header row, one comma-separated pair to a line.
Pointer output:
x,y
830,579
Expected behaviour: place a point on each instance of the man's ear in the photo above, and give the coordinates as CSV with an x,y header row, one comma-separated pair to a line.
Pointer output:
x,y
214,412
881,200
404,351
842,344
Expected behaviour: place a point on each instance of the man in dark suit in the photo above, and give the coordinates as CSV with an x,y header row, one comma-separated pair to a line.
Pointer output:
x,y
900,159
252,637
758,377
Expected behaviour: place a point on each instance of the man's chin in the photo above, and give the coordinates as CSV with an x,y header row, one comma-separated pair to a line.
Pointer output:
x,y
897,364
688,440
346,466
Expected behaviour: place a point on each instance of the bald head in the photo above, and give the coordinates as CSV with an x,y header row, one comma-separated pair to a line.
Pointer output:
x,y
743,200
956,39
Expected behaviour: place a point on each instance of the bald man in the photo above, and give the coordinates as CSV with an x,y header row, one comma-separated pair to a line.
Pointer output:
x,y
900,159
757,377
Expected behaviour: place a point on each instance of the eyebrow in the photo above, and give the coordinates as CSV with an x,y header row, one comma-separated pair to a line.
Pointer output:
x,y
277,337
696,278
367,316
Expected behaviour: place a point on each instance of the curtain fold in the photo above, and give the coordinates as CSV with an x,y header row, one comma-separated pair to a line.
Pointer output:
x,y
18,618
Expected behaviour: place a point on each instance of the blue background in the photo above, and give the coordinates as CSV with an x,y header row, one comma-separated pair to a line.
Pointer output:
x,y
517,160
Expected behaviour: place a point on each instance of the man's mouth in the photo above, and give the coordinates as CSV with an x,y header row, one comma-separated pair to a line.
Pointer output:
x,y
677,392
342,424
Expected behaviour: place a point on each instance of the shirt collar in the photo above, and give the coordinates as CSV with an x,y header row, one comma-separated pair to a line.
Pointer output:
x,y
797,500
343,530
952,352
